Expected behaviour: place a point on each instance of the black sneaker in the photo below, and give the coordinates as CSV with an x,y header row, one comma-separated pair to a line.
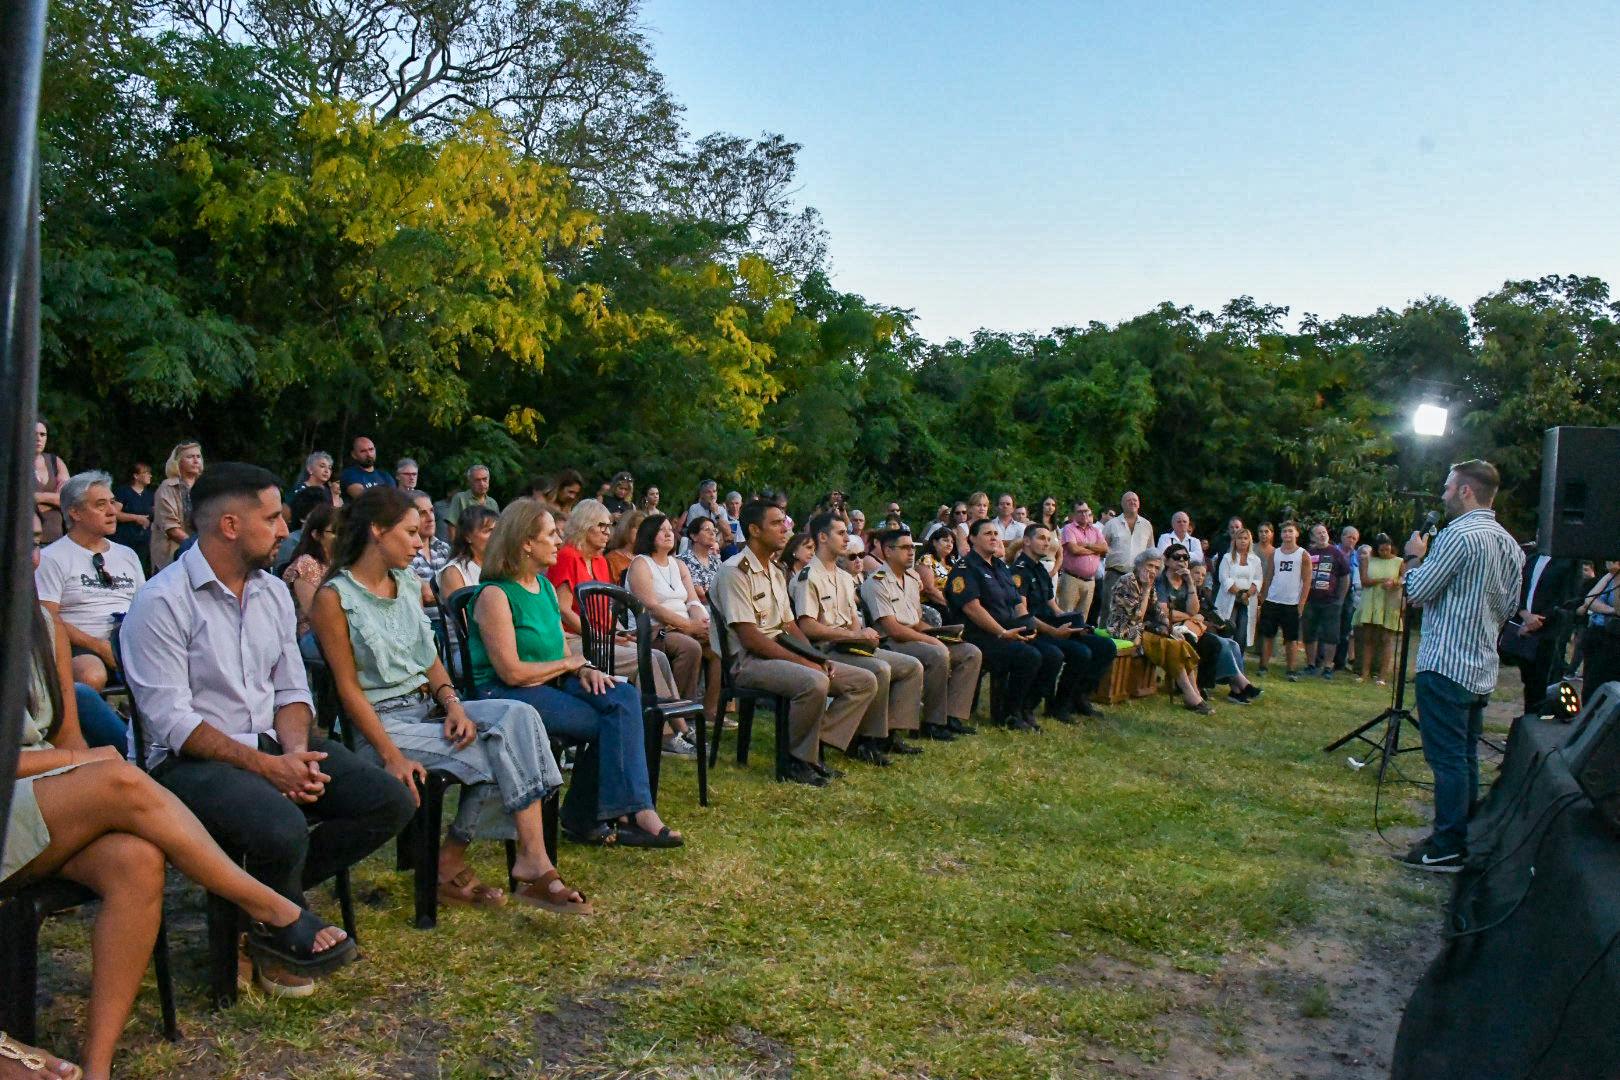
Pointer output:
x,y
1237,697
1252,692
1327,673
1308,669
802,772
1424,856
1293,676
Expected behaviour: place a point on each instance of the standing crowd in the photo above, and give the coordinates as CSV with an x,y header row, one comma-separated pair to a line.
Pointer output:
x,y
205,601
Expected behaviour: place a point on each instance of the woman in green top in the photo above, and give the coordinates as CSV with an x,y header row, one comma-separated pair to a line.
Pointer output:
x,y
518,653
1380,612
374,634
88,815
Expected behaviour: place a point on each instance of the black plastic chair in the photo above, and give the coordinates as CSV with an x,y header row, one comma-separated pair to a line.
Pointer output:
x,y
613,606
747,698
226,922
456,610
22,911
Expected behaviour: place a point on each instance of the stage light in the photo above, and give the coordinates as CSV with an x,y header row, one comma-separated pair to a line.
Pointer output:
x,y
1429,419
1562,701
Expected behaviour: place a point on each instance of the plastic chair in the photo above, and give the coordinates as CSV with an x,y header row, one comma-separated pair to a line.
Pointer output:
x,y
746,697
613,606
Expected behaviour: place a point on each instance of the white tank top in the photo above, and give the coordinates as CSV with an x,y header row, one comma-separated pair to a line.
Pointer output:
x,y
1286,586
667,584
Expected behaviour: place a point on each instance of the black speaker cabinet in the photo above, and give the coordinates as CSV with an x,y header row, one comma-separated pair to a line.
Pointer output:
x,y
1580,493
1593,751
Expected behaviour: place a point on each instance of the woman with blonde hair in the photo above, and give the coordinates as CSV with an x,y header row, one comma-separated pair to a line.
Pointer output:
x,y
583,558
520,653
171,506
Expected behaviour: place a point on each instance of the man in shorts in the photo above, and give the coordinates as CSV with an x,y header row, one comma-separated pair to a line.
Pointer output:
x,y
1287,585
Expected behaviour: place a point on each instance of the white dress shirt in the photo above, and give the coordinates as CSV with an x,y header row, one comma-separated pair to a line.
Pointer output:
x,y
195,655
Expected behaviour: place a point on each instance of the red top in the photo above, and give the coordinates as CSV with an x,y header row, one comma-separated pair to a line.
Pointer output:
x,y
572,570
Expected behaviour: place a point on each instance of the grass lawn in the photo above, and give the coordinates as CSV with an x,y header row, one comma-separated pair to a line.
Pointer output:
x,y
942,918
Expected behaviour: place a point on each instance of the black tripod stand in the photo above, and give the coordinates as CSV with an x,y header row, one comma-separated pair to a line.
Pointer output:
x,y
1387,746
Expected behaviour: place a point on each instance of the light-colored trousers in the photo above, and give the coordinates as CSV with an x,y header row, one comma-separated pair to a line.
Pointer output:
x,y
897,705
812,719
950,675
1074,594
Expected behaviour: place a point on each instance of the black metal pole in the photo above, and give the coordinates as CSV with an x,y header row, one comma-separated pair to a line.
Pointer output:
x,y
22,48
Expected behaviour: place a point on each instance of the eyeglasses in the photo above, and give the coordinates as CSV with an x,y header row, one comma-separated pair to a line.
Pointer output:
x,y
99,562
608,525
1180,558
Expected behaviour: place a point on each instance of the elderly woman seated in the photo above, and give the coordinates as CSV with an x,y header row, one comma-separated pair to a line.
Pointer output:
x,y
395,691
1136,614
519,653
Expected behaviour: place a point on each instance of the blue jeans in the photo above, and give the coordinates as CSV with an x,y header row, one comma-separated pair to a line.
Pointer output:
x,y
1451,719
98,723
611,723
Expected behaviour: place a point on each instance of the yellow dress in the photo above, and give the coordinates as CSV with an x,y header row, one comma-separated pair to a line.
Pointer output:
x,y
1381,606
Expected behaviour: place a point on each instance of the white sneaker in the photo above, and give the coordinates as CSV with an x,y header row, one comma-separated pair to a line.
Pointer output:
x,y
678,746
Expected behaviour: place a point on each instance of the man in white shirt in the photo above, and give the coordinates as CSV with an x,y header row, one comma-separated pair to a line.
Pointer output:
x,y
210,656
86,578
1128,535
1181,533
1012,530
708,506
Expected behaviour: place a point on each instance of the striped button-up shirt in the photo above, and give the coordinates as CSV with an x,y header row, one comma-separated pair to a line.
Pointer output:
x,y
1467,588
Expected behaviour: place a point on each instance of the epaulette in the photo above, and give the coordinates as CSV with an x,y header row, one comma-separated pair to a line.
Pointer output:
x,y
804,575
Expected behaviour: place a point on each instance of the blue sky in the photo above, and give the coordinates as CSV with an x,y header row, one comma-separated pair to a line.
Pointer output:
x,y
1041,164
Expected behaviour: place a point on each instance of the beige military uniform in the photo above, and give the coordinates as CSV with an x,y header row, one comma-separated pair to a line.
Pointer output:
x,y
950,672
745,590
827,594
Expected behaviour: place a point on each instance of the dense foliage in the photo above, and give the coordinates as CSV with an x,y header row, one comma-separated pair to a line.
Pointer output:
x,y
263,233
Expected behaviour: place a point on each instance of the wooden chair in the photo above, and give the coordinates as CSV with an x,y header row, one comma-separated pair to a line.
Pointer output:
x,y
612,606
747,698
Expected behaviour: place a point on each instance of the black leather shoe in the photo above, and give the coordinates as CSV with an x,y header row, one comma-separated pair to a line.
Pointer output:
x,y
867,750
1062,714
898,745
802,772
1026,721
1084,707
960,727
936,732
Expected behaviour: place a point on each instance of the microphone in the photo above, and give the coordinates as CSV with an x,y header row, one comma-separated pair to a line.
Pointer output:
x,y
1431,523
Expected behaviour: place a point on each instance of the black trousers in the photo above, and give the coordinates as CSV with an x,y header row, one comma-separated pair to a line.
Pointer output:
x,y
1021,663
290,846
1083,660
1090,656
1537,673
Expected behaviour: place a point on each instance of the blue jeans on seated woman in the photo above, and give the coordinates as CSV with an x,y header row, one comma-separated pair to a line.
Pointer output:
x,y
612,726
98,723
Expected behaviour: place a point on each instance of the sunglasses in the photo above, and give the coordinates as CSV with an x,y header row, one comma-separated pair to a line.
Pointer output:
x,y
1179,558
99,562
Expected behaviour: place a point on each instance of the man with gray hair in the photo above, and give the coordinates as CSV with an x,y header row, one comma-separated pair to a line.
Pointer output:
x,y
85,578
477,494
708,506
406,474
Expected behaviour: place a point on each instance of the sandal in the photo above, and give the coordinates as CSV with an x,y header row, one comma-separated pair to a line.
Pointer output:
x,y
37,1061
465,890
633,835
539,892
601,834
292,947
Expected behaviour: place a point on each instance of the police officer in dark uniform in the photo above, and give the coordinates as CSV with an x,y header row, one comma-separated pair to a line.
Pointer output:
x,y
982,596
1085,658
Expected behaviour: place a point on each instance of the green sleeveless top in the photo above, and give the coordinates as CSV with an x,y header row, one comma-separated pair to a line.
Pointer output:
x,y
392,639
537,621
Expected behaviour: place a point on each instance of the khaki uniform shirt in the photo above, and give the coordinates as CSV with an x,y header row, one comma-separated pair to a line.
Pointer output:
x,y
826,595
748,591
887,593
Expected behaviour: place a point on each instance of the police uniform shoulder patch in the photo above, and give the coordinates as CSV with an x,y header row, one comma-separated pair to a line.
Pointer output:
x,y
804,575
958,584
1018,580
880,573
